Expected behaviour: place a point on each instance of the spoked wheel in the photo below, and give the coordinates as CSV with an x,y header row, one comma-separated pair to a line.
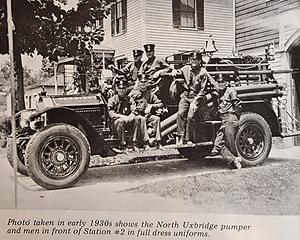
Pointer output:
x,y
254,139
57,156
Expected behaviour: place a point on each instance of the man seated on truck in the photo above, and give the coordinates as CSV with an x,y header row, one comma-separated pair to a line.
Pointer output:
x,y
146,104
122,111
199,89
230,110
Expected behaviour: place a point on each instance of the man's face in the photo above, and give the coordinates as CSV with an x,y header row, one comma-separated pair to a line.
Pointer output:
x,y
195,63
222,85
143,86
138,58
121,91
150,54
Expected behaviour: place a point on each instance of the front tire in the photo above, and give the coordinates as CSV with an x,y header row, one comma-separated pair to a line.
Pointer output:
x,y
57,156
21,167
254,139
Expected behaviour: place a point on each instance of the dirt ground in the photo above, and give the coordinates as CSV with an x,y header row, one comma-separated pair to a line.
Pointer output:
x,y
266,190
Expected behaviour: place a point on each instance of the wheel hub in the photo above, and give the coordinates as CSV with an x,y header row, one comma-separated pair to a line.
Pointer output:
x,y
59,156
250,141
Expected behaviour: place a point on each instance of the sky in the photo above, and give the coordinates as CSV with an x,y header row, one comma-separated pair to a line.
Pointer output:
x,y
34,63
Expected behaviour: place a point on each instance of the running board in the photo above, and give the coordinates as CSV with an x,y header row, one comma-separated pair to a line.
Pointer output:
x,y
293,134
193,145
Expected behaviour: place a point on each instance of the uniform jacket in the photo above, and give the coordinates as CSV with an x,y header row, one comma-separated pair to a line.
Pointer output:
x,y
131,70
153,65
205,83
230,103
117,106
144,99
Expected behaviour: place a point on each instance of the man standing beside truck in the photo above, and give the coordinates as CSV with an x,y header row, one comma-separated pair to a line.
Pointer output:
x,y
230,110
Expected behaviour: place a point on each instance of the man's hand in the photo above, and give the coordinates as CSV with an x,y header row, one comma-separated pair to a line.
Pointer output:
x,y
156,74
193,106
131,117
174,73
125,118
148,109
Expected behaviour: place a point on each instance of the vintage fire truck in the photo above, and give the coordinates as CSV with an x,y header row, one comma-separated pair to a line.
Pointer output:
x,y
55,141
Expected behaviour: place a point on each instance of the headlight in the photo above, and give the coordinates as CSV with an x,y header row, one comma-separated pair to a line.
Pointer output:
x,y
37,123
24,118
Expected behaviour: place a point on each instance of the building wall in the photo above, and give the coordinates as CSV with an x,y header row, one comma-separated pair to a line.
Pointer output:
x,y
131,39
258,23
218,21
151,21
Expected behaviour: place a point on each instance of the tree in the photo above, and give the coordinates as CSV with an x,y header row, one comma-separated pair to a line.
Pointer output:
x,y
29,76
42,26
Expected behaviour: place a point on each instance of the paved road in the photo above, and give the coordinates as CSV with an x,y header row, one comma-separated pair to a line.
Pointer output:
x,y
102,188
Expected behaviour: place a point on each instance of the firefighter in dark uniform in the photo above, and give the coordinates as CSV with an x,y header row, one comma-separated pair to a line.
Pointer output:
x,y
230,110
153,64
122,111
199,90
132,69
146,104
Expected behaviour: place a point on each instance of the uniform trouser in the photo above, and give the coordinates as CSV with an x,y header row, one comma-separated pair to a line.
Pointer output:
x,y
138,126
153,122
225,139
185,118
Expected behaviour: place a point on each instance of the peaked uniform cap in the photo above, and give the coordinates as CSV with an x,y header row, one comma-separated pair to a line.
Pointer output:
x,y
137,52
120,83
143,78
149,47
197,54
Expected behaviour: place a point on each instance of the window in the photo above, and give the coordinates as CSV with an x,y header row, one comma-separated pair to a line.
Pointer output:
x,y
118,17
180,59
188,14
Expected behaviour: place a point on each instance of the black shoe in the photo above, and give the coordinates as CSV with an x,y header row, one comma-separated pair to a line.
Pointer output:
x,y
146,147
214,153
237,163
135,148
179,141
159,146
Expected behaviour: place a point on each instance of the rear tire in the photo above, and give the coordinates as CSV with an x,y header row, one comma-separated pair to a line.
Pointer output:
x,y
254,139
57,156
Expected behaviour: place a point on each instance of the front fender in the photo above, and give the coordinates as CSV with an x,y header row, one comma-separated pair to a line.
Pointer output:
x,y
69,116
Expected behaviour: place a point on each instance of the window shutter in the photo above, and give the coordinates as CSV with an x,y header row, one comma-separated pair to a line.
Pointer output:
x,y
124,14
176,13
200,14
113,19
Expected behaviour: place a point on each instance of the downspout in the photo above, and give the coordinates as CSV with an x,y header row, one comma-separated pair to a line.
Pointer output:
x,y
234,26
143,22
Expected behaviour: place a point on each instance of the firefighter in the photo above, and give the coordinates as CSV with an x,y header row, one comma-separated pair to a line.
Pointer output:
x,y
146,104
132,69
122,111
153,64
199,90
230,110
